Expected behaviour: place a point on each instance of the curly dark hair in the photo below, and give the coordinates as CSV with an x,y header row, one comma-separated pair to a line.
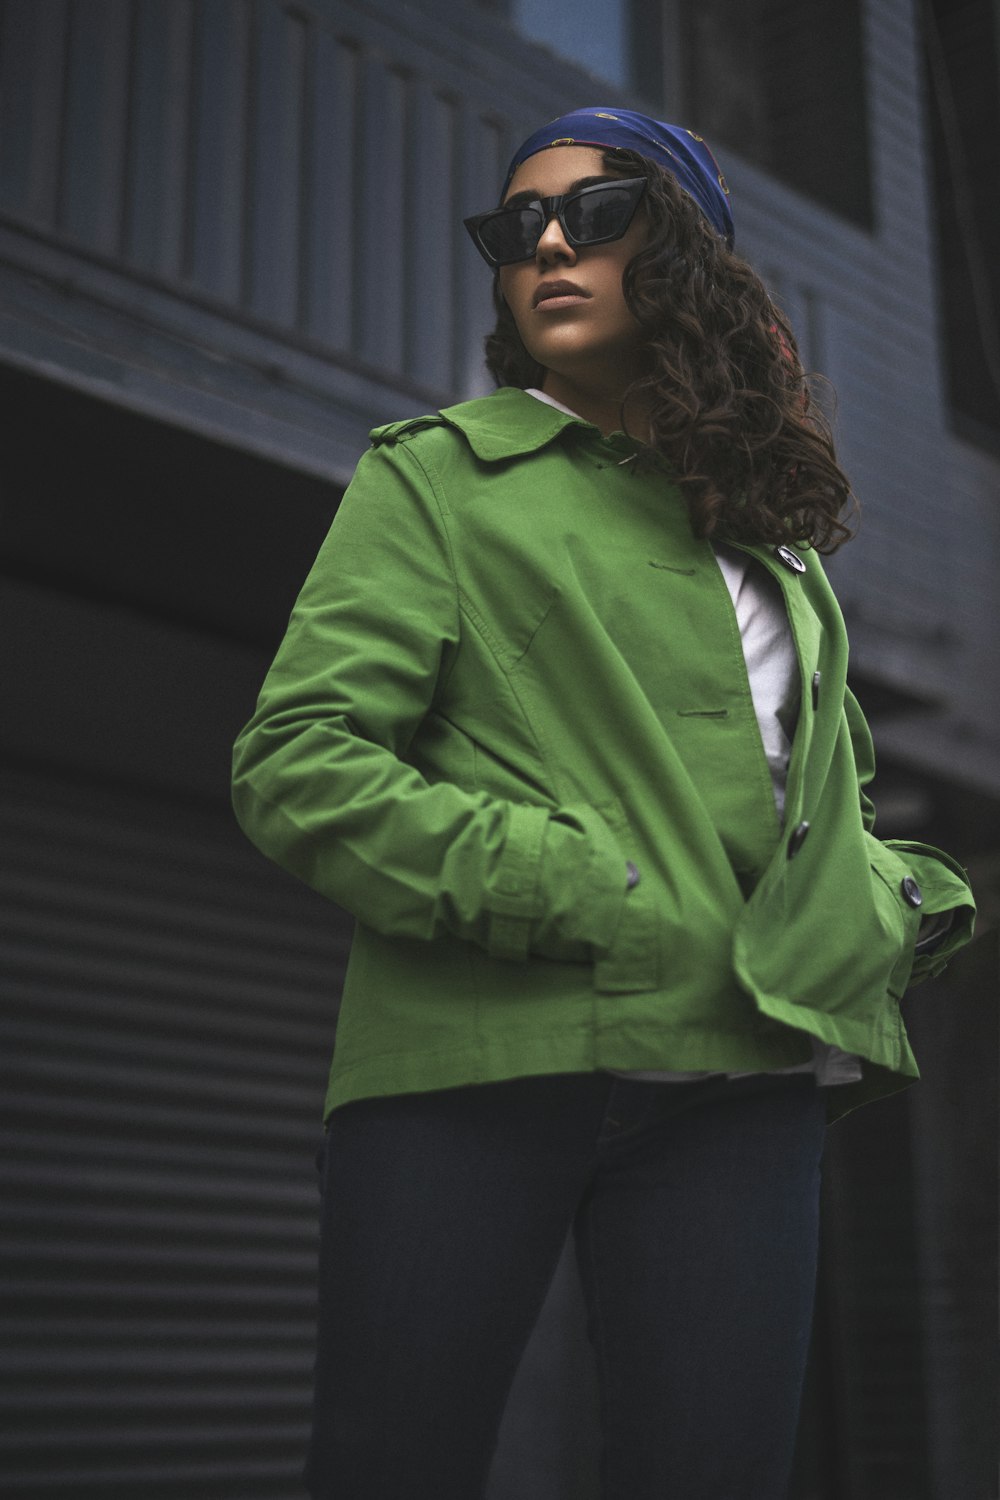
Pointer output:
x,y
730,411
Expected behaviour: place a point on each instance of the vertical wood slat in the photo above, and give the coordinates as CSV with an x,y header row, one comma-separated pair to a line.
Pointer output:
x,y
274,144
430,234
266,160
484,149
33,42
214,235
159,137
329,190
380,251
91,190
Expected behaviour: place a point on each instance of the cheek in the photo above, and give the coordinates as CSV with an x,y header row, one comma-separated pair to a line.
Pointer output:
x,y
613,306
516,296
509,284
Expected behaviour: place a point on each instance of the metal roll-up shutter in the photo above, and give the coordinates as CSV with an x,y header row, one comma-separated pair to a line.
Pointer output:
x,y
167,1020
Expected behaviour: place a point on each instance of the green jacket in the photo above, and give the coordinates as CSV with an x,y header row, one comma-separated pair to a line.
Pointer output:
x,y
513,669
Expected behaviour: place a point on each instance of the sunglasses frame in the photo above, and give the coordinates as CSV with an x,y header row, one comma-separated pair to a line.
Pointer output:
x,y
555,208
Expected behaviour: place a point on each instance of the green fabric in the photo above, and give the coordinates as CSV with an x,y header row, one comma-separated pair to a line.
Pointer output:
x,y
513,668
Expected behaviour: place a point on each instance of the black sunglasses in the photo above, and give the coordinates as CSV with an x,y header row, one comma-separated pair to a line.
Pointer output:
x,y
590,216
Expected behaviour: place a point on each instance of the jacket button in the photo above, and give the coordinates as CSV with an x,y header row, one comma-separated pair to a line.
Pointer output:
x,y
631,875
792,561
797,839
912,893
816,678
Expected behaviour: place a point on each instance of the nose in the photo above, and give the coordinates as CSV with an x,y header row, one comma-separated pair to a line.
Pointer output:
x,y
553,245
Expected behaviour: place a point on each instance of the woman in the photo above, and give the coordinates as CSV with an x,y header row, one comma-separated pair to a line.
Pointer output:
x,y
561,716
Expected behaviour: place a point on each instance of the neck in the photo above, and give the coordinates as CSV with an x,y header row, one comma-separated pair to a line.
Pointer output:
x,y
602,406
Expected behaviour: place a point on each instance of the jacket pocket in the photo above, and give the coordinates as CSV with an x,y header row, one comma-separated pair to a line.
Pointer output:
x,y
632,964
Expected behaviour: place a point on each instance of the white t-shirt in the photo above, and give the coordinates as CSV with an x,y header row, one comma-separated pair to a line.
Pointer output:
x,y
773,673
772,666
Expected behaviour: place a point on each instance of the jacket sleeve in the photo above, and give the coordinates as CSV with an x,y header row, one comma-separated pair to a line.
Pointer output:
x,y
321,782
944,884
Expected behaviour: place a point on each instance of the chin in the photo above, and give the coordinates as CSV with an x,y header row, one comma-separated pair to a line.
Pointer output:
x,y
570,364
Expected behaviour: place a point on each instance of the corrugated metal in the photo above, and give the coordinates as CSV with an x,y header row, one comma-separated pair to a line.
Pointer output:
x,y
167,1020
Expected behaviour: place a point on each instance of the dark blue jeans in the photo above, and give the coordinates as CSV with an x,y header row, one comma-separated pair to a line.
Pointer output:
x,y
695,1212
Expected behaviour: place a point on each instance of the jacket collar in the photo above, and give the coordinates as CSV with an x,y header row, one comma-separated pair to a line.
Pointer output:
x,y
509,423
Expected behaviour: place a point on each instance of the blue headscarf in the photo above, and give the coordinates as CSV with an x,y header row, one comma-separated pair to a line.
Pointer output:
x,y
684,154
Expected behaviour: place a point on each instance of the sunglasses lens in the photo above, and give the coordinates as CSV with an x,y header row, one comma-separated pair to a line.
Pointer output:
x,y
511,235
591,216
604,215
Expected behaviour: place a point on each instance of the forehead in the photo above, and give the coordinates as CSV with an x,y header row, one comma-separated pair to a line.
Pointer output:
x,y
555,169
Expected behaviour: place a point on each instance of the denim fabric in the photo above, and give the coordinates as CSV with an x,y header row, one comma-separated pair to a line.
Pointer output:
x,y
695,1212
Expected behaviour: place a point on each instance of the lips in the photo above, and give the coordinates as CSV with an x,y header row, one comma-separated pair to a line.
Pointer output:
x,y
565,293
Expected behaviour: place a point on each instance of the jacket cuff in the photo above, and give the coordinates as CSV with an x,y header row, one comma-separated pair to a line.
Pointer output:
x,y
560,886
944,887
